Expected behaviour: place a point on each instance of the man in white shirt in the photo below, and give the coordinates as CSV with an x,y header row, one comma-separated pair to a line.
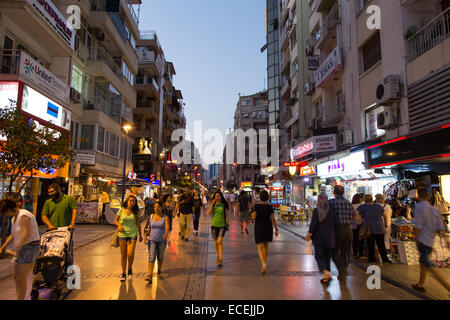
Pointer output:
x,y
428,223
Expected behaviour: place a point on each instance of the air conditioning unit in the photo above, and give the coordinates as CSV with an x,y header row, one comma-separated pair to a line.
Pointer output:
x,y
389,89
387,119
74,170
75,95
310,124
346,138
309,88
309,50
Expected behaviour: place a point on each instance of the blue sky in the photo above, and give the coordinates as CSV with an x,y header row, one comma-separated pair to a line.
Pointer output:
x,y
215,47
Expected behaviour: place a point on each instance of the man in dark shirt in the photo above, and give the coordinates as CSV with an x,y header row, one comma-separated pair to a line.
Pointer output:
x,y
186,210
345,214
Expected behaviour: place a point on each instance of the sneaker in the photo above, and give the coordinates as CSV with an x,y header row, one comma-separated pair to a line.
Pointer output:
x,y
130,274
123,277
148,278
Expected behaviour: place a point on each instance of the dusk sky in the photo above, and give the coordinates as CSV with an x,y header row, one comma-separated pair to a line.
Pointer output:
x,y
215,47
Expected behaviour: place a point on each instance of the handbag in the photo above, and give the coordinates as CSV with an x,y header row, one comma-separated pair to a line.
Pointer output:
x,y
308,248
115,239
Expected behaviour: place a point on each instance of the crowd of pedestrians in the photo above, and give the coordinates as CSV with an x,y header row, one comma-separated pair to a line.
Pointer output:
x,y
337,228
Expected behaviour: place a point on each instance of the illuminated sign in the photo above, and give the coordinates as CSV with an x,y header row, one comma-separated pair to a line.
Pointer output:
x,y
292,171
42,78
132,175
8,93
246,185
40,106
305,171
329,67
295,164
351,163
315,144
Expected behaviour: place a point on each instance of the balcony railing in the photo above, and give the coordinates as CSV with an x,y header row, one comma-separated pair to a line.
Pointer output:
x,y
103,55
9,62
434,33
328,24
147,80
133,13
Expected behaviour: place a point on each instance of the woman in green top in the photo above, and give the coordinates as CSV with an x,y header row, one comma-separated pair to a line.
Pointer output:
x,y
129,226
219,223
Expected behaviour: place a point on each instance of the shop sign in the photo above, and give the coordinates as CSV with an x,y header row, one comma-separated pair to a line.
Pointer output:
x,y
329,67
351,163
55,18
40,106
292,171
295,163
315,144
156,183
246,185
145,146
85,157
38,76
88,212
8,93
306,171
132,175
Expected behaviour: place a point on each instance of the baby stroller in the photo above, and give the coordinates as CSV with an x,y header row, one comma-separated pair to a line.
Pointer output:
x,y
54,258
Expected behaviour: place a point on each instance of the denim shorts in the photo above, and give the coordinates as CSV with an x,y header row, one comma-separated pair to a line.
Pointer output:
x,y
217,232
425,252
27,254
156,250
127,238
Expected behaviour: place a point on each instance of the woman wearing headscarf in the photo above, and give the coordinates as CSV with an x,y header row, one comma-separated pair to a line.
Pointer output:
x,y
322,233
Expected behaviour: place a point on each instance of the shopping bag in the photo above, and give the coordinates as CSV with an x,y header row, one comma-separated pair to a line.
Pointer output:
x,y
308,248
115,239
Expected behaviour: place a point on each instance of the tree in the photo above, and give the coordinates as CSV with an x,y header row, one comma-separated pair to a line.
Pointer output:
x,y
29,147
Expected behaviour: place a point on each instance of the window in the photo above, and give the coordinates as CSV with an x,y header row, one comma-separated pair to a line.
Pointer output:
x,y
371,52
127,73
254,114
74,130
77,78
106,142
245,115
87,132
100,138
112,144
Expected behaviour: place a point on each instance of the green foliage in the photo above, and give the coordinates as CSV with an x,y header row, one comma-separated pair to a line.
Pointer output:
x,y
29,146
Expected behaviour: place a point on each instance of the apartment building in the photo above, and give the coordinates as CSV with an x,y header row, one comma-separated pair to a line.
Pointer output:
x,y
35,62
103,95
252,112
159,109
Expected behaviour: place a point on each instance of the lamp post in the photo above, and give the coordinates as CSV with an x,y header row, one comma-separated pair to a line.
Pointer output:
x,y
162,156
125,128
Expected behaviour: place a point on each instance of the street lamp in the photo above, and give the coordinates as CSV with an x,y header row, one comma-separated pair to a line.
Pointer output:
x,y
162,156
125,128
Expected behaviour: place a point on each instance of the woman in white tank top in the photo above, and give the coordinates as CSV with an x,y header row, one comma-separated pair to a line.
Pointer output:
x,y
26,239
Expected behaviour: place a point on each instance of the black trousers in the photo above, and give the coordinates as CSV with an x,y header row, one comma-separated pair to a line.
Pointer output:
x,y
379,239
196,219
343,249
323,257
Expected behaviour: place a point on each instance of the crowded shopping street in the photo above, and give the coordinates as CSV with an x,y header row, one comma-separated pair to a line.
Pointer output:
x,y
191,273
202,154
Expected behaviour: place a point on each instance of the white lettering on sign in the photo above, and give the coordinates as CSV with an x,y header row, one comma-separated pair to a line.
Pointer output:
x,y
353,162
329,67
315,144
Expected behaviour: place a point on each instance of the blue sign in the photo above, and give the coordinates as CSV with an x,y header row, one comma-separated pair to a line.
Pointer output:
x,y
156,182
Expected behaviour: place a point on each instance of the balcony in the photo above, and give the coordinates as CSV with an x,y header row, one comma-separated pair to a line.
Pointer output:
x,y
148,82
431,35
103,56
286,87
28,19
286,63
328,25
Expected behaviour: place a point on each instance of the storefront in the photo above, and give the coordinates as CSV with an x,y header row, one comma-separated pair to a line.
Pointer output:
x,y
351,172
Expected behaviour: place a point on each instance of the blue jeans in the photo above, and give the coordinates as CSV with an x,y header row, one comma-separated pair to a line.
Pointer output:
x,y
156,250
